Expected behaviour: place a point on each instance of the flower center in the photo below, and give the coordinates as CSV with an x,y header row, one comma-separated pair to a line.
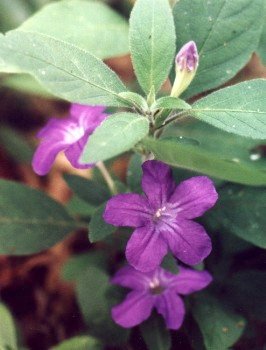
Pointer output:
x,y
74,133
159,213
155,287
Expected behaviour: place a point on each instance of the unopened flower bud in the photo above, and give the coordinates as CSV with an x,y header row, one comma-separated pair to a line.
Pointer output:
x,y
187,61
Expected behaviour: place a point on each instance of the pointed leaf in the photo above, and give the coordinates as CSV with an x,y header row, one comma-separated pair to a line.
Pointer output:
x,y
152,42
221,30
117,134
64,69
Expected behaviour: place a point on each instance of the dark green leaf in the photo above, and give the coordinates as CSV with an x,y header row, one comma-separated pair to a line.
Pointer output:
x,y
92,290
30,221
98,228
221,30
152,42
117,134
239,109
134,173
88,190
241,211
76,265
155,334
219,325
196,158
169,263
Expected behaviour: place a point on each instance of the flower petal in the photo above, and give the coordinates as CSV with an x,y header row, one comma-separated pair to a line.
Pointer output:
x,y
88,117
135,309
127,210
129,277
145,249
172,308
45,155
73,153
157,182
188,281
187,240
194,196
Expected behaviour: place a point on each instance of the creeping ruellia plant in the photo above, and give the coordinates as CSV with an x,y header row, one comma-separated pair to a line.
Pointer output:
x,y
195,145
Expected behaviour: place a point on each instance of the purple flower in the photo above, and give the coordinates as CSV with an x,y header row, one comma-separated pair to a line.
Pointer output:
x,y
188,58
159,289
162,217
69,135
187,61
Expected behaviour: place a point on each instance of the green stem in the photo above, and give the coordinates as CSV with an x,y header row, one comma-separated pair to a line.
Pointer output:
x,y
107,177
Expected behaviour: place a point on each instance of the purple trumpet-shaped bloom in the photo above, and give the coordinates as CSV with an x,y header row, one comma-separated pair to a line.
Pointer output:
x,y
69,135
162,217
188,57
158,289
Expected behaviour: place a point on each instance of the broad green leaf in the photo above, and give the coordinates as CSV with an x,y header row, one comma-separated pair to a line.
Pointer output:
x,y
219,325
196,158
221,30
30,221
228,147
134,173
15,144
76,265
135,100
117,134
155,334
241,211
79,343
78,207
239,109
247,290
169,102
25,83
64,69
88,190
90,25
8,336
92,290
261,50
98,228
152,42
13,13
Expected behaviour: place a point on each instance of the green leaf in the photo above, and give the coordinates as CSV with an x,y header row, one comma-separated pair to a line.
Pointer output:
x,y
30,221
261,50
221,30
90,191
134,173
76,265
135,100
90,25
196,158
117,134
78,207
247,289
98,228
79,343
16,145
8,336
25,83
225,146
156,336
92,290
169,102
13,13
219,325
169,263
152,42
64,69
241,211
239,109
